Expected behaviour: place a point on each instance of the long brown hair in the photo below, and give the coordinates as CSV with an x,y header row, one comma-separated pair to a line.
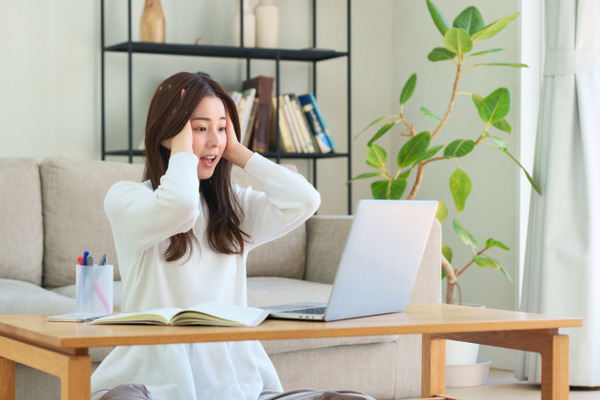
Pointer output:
x,y
168,113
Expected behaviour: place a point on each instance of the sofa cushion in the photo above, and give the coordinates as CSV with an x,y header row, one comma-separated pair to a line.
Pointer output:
x,y
73,194
286,256
264,291
21,227
18,297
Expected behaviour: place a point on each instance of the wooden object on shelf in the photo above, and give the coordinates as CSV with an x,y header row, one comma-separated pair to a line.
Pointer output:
x,y
152,23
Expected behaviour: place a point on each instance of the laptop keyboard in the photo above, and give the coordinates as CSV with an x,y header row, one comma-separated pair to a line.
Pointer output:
x,y
314,310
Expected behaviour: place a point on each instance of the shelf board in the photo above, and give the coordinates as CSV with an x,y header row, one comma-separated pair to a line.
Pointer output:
x,y
270,154
226,51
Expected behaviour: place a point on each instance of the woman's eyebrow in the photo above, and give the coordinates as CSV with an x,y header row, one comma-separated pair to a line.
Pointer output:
x,y
206,118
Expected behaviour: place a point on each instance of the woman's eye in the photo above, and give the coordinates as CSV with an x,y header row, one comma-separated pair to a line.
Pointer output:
x,y
200,129
223,129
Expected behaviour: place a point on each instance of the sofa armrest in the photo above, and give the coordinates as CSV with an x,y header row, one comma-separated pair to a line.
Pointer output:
x,y
325,240
428,285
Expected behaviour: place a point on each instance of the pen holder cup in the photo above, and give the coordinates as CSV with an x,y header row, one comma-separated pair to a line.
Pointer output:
x,y
94,285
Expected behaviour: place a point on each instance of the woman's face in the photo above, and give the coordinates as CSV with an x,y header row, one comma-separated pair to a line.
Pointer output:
x,y
208,122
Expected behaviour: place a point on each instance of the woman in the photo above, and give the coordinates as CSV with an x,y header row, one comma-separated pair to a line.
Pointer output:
x,y
182,238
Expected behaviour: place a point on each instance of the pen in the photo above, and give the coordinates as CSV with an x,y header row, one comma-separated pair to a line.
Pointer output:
x,y
85,256
90,261
102,259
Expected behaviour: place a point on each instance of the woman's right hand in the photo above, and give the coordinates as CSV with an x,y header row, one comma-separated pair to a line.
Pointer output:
x,y
182,142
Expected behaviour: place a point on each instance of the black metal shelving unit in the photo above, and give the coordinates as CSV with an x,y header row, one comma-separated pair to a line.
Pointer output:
x,y
312,55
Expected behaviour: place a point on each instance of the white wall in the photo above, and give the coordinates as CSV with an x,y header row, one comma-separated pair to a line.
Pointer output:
x,y
50,73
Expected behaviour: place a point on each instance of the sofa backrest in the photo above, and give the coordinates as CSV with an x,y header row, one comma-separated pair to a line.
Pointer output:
x,y
21,227
73,194
286,256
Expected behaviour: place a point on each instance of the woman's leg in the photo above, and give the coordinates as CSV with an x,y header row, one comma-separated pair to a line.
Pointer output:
x,y
131,391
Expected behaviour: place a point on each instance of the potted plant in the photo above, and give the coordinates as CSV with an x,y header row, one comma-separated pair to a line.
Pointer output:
x,y
423,148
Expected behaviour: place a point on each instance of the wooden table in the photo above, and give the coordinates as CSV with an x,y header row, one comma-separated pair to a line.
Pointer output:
x,y
61,349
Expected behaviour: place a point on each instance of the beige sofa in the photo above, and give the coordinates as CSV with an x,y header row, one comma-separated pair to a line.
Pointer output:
x,y
51,211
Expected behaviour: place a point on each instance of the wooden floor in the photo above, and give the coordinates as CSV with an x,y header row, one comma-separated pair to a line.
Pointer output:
x,y
502,385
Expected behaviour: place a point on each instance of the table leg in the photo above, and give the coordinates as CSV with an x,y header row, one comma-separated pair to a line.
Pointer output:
x,y
554,349
433,366
555,369
7,379
75,379
73,367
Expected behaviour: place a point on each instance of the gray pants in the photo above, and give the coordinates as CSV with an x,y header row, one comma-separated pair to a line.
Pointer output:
x,y
136,391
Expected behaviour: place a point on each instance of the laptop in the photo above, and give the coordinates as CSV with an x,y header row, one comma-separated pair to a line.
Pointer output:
x,y
379,264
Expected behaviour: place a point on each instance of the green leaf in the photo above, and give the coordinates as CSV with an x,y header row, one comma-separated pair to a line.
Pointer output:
x,y
374,122
499,142
382,131
447,252
464,235
459,148
397,189
494,27
428,154
470,20
364,176
489,261
503,125
514,65
388,189
495,107
458,41
438,18
376,156
431,115
413,148
440,54
529,177
496,243
460,187
441,213
408,89
483,53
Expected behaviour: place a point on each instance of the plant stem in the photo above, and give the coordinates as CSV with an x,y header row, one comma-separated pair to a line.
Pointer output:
x,y
451,104
459,273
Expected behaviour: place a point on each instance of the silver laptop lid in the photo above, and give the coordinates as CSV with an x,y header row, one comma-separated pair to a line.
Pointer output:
x,y
381,258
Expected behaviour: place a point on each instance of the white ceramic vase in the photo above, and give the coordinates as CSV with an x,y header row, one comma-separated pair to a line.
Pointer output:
x,y
249,25
267,24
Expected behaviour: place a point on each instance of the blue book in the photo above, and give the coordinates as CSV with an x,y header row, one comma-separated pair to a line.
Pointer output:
x,y
316,121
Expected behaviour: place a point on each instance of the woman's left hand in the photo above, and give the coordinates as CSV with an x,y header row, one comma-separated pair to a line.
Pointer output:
x,y
234,151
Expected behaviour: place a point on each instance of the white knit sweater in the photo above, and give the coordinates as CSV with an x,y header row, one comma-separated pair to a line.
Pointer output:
x,y
142,221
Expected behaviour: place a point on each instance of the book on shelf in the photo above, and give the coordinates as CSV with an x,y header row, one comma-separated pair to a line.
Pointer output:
x,y
248,136
316,122
245,110
302,123
262,124
209,313
297,139
286,142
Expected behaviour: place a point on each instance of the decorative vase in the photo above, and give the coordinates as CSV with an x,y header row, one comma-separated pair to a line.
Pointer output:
x,y
267,24
152,23
249,25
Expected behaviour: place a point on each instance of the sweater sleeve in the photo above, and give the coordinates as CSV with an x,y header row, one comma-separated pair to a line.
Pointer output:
x,y
141,217
287,201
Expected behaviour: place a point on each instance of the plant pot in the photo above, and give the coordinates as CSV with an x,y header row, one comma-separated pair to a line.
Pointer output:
x,y
468,375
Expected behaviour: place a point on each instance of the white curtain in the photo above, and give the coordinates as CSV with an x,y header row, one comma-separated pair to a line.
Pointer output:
x,y
562,259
